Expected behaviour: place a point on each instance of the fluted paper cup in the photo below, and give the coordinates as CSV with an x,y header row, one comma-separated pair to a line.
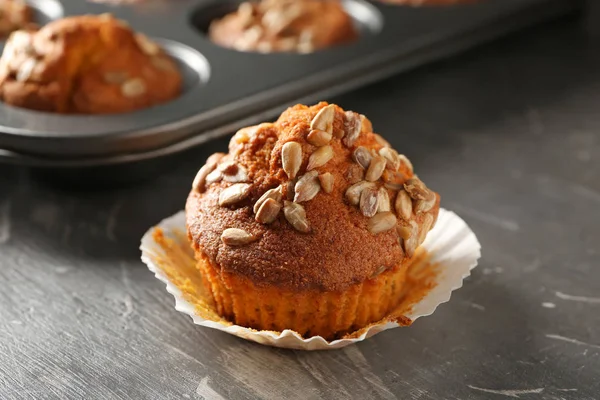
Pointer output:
x,y
450,251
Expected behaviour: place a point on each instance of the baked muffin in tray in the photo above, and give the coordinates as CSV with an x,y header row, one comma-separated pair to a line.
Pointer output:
x,y
86,64
14,15
308,223
268,26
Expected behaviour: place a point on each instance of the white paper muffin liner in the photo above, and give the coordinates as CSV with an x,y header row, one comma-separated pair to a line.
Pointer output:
x,y
451,246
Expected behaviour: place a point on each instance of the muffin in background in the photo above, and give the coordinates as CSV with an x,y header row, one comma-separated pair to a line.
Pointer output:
x,y
269,26
308,223
14,15
86,64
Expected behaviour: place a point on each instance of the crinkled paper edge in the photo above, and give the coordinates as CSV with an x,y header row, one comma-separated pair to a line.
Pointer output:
x,y
450,244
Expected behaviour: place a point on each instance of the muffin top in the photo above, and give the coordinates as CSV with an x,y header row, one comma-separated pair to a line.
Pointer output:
x,y
86,64
301,26
315,200
14,14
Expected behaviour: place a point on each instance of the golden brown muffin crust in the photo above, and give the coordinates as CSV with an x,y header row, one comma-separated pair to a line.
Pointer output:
x,y
284,25
86,64
339,250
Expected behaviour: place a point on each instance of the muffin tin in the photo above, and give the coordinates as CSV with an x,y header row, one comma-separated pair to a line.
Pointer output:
x,y
225,89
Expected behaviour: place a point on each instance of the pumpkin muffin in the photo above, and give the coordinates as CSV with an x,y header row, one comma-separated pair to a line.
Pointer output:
x,y
14,15
301,26
88,65
308,223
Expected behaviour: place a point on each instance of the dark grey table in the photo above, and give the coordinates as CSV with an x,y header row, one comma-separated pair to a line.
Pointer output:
x,y
509,135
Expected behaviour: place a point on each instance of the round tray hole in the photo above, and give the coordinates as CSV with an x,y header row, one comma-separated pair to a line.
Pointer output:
x,y
194,67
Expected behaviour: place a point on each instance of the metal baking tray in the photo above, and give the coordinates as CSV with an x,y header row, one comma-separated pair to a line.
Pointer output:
x,y
226,89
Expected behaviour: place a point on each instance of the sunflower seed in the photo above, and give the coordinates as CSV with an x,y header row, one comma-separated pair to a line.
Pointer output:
x,y
200,179
425,227
404,232
391,158
146,45
423,206
115,77
290,192
318,138
246,14
296,216
234,194
291,158
410,244
26,70
381,222
215,158
241,175
326,181
133,87
320,157
362,156
403,205
416,189
237,237
406,161
384,201
352,126
244,135
228,167
214,176
382,142
353,193
393,180
376,168
307,187
365,124
268,211
274,194
381,269
369,201
323,121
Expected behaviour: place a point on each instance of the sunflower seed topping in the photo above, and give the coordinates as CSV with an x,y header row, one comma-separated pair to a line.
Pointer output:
x,y
381,222
393,180
274,194
200,179
214,177
318,138
376,168
362,156
234,194
416,189
403,205
291,158
369,202
268,211
320,157
406,161
290,190
296,216
404,232
410,244
352,126
323,121
237,237
391,157
240,174
423,206
147,45
425,228
307,187
384,201
133,87
326,181
353,193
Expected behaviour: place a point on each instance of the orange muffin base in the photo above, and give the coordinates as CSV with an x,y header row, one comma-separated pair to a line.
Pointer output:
x,y
310,312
